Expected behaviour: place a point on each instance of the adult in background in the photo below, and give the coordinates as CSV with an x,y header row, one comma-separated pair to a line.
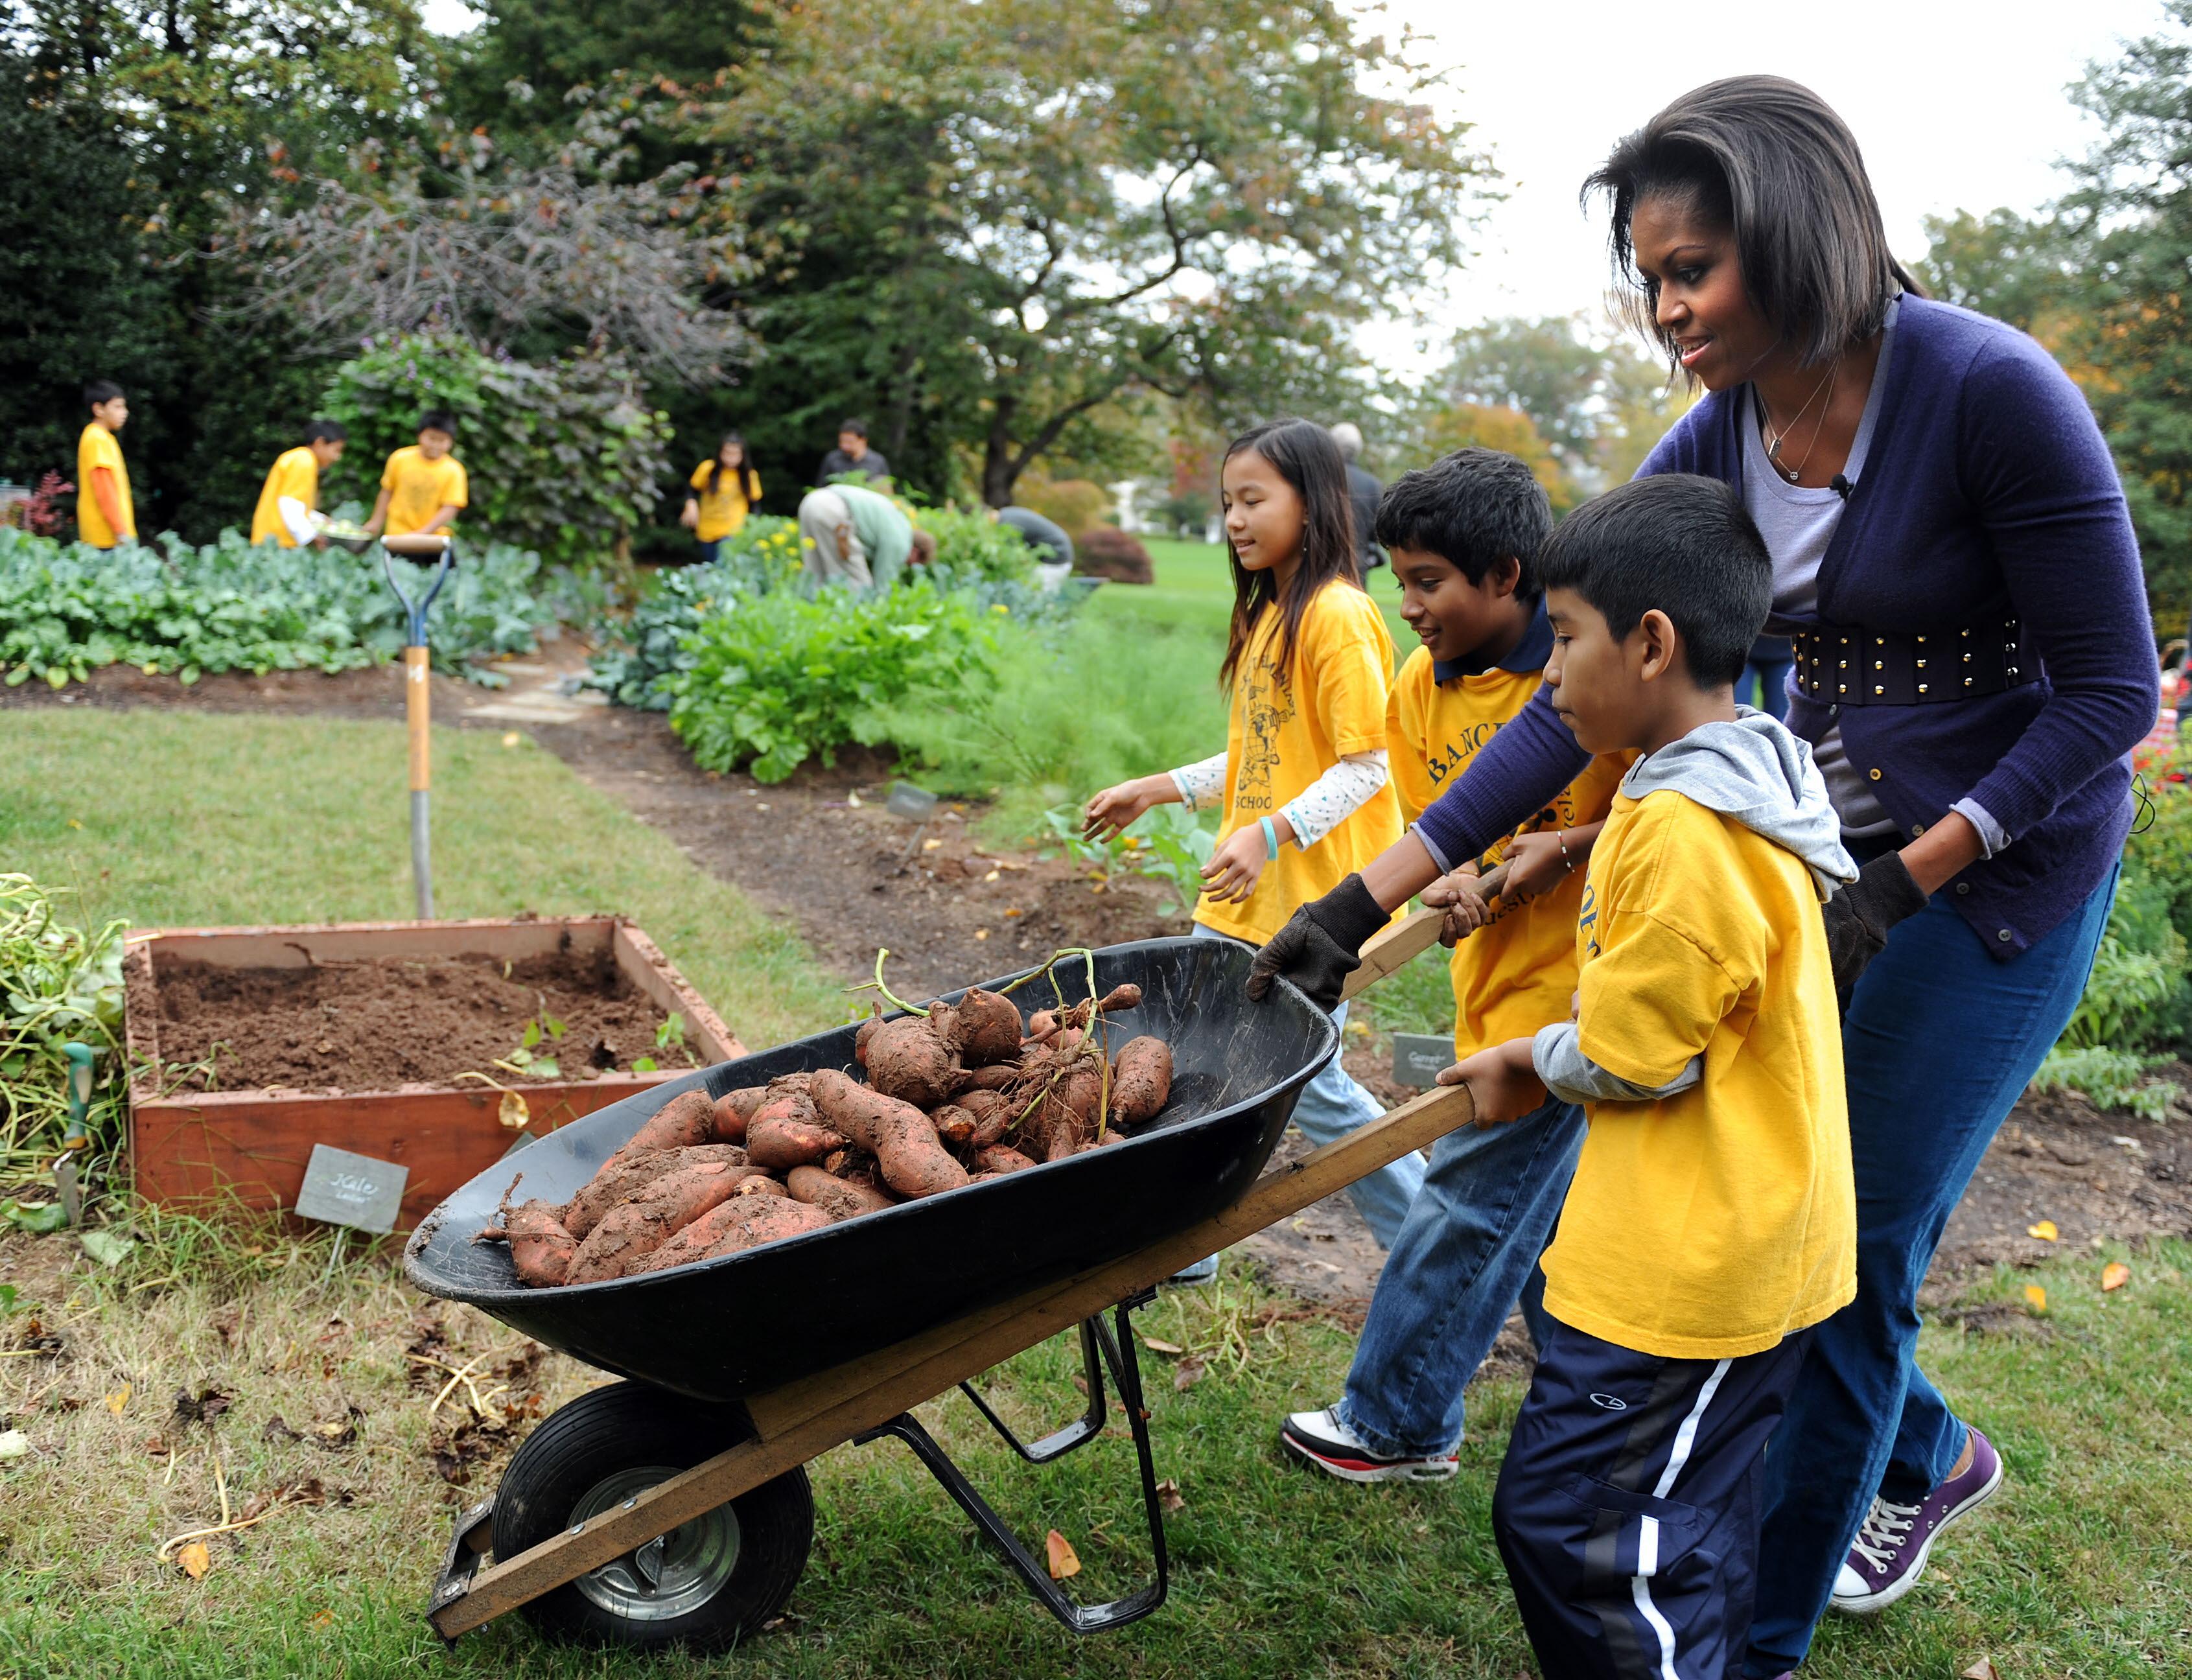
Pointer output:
x,y
1364,490
853,455
1953,557
853,538
1053,547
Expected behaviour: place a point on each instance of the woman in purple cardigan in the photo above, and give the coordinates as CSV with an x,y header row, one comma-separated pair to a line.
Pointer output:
x,y
1974,662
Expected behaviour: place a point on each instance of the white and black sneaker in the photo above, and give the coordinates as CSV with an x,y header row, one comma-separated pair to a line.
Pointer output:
x,y
1319,1438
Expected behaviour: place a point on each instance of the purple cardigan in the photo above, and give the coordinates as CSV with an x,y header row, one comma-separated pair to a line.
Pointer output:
x,y
1988,487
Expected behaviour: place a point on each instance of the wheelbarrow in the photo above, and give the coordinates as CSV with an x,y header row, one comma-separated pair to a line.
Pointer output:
x,y
674,1507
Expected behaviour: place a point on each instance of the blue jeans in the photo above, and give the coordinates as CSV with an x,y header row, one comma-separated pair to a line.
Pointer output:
x,y
1773,676
1939,1042
1470,1247
707,554
1330,1106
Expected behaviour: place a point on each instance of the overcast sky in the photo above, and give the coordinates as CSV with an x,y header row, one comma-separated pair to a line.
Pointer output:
x,y
1958,106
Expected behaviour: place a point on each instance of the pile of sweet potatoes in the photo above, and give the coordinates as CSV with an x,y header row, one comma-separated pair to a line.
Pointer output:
x,y
961,1093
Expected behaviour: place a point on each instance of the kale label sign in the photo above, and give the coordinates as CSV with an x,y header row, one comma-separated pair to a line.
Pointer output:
x,y
341,1188
1419,1058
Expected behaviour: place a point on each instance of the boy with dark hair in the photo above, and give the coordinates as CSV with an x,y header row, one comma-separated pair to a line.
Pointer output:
x,y
1712,1220
105,513
291,495
853,455
424,486
1463,534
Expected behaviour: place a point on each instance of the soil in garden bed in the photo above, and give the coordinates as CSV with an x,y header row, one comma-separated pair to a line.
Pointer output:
x,y
374,1024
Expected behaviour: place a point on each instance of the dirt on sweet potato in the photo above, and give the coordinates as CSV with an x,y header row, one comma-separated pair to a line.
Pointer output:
x,y
643,1223
735,1109
1141,1081
744,1222
787,1132
902,1139
840,1199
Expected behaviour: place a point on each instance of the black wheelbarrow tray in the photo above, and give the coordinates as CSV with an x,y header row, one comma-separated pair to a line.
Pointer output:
x,y
674,1508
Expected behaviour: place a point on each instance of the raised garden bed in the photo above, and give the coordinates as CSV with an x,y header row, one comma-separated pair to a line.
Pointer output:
x,y
398,1040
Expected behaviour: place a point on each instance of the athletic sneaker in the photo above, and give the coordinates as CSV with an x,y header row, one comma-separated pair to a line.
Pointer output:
x,y
1319,1438
1890,1551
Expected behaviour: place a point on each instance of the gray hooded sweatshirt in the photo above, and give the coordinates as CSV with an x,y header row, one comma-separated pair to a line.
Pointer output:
x,y
1752,771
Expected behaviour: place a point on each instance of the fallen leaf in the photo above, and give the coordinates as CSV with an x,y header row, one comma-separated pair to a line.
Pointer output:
x,y
119,1399
155,1447
253,1507
109,1248
13,1443
2035,1297
1168,1496
981,933
194,1560
1062,1562
2045,1231
1981,1670
1191,1371
1156,1346
325,1618
513,1112
510,738
209,1404
278,1430
2113,1276
930,845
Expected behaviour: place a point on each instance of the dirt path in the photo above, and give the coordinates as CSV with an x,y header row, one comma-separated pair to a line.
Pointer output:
x,y
820,851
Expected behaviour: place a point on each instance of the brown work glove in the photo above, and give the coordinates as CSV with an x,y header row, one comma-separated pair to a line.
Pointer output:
x,y
1320,945
1859,916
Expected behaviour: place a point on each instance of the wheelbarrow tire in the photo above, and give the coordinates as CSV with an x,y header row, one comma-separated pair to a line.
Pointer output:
x,y
707,1584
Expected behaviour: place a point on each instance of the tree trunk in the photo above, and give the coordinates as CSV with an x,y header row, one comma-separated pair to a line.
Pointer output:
x,y
1000,470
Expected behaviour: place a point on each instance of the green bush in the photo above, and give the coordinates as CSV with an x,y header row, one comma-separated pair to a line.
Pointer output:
x,y
782,677
234,606
59,985
973,543
564,457
649,647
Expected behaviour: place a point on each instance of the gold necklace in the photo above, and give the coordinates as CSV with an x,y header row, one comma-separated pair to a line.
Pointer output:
x,y
1775,439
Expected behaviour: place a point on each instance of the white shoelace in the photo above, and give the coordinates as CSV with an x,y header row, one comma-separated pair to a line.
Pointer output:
x,y
1886,1526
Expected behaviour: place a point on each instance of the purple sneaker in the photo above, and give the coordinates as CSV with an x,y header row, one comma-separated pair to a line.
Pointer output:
x,y
1889,1553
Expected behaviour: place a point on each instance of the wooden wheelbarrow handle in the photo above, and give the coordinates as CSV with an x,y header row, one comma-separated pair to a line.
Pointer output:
x,y
1401,943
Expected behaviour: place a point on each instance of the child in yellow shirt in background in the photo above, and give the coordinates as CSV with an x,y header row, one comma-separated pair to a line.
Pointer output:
x,y
1464,534
423,487
105,513
1303,788
291,492
725,490
1712,1220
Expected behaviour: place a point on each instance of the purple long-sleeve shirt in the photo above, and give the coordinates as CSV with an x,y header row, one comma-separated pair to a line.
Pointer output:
x,y
1988,489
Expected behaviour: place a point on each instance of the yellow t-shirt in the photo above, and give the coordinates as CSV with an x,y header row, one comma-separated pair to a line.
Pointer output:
x,y
1518,975
721,511
1712,1224
1281,737
295,474
98,447
422,488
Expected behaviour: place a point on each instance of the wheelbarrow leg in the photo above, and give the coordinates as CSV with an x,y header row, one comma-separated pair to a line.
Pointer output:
x,y
1082,1429
1118,1352
473,1540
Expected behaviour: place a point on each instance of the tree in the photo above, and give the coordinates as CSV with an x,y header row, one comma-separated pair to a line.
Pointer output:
x,y
991,220
2002,264
1494,425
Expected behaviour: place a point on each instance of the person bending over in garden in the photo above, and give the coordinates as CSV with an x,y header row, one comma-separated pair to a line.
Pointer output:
x,y
1952,556
105,513
291,491
1464,534
423,487
1712,1220
853,538
853,455
725,490
1303,790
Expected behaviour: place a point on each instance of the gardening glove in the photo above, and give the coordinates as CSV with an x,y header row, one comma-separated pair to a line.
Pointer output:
x,y
1320,945
1859,916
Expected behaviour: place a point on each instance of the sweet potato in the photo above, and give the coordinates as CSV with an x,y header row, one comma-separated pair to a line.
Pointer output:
x,y
784,1132
984,1027
1045,1024
955,1126
641,1223
901,1138
994,1078
836,1197
688,1117
1001,1158
1066,1114
623,1175
540,1247
866,1035
909,1059
735,1109
1141,1080
992,1111
761,1184
743,1222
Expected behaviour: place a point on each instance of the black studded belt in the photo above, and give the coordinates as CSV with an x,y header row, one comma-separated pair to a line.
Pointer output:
x,y
1879,667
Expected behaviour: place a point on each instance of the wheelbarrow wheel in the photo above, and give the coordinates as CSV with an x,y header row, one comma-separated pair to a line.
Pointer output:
x,y
707,1584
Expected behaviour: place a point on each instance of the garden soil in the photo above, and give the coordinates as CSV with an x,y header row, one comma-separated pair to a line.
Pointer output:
x,y
952,908
372,1025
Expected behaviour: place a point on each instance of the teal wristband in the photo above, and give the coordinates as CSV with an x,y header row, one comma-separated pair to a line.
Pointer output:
x,y
1271,839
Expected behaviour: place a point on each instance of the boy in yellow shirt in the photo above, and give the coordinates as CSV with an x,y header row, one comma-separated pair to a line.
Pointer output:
x,y
1463,534
423,487
1712,1220
105,513
291,491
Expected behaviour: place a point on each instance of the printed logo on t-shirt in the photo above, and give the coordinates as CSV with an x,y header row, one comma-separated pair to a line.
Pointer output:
x,y
1267,706
1587,918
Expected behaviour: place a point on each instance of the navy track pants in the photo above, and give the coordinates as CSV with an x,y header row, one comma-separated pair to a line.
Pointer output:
x,y
1627,1511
